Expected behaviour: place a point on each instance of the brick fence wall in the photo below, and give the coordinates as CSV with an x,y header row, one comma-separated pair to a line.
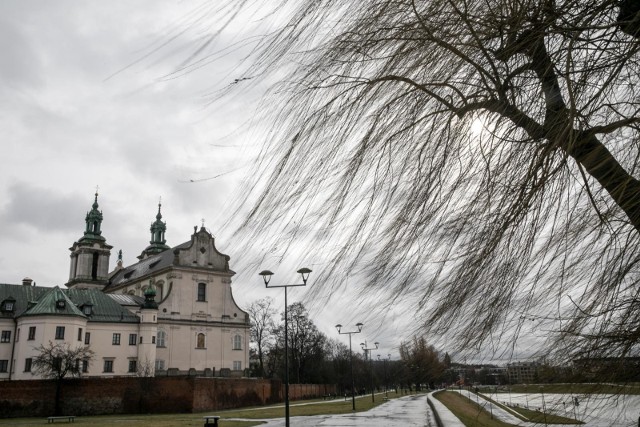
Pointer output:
x,y
98,396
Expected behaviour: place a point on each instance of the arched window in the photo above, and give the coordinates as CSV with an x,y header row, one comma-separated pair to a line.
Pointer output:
x,y
162,339
200,341
159,290
237,342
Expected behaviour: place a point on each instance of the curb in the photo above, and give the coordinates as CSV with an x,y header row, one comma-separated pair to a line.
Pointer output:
x,y
444,417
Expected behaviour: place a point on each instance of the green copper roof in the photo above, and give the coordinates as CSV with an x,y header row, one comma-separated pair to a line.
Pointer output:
x,y
40,301
94,221
158,228
54,302
22,294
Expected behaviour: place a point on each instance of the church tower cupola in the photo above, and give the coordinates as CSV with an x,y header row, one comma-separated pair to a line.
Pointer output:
x,y
90,254
158,242
94,222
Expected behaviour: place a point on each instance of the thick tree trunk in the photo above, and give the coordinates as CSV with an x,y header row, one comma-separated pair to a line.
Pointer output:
x,y
600,164
583,146
58,407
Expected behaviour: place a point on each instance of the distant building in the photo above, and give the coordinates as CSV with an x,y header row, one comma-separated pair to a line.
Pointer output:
x,y
523,372
170,313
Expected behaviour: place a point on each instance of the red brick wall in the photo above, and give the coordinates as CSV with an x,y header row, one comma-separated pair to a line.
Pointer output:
x,y
309,391
95,396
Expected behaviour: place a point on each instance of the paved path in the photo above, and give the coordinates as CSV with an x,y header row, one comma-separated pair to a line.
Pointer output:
x,y
412,411
407,411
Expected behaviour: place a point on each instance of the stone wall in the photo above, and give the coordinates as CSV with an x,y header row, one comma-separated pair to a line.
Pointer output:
x,y
98,396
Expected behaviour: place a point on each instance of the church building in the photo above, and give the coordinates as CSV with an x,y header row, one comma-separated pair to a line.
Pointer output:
x,y
171,313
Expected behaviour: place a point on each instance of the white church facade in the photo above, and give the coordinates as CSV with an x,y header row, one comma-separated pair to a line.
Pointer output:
x,y
171,313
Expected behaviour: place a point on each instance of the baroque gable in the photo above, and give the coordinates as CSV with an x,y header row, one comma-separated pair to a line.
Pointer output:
x,y
201,252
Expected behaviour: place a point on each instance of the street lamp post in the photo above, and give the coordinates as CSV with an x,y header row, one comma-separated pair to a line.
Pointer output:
x,y
368,351
544,407
353,387
266,276
384,367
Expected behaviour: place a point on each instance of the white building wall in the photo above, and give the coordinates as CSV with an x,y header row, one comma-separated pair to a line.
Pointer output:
x,y
6,348
182,318
101,344
45,333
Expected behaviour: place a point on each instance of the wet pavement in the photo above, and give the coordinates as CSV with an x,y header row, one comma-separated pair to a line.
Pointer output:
x,y
411,411
406,411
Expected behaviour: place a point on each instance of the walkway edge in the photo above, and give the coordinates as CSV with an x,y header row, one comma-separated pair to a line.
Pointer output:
x,y
444,417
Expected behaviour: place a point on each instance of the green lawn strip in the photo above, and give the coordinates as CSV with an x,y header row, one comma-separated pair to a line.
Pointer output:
x,y
318,407
164,420
469,412
300,408
533,416
540,417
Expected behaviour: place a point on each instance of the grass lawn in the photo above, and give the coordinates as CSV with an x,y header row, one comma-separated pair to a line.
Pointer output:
x,y
468,411
164,420
473,415
535,416
540,417
253,415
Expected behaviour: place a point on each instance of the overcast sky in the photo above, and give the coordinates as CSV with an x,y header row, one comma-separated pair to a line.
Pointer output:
x,y
85,105
88,99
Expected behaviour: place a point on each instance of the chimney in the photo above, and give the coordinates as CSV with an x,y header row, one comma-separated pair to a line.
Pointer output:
x,y
27,281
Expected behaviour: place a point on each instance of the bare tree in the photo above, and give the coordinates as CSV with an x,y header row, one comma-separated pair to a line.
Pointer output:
x,y
422,362
59,361
145,369
306,345
480,157
261,312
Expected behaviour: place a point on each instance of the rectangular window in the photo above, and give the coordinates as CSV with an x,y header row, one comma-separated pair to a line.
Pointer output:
x,y
87,338
202,291
6,336
116,339
153,340
237,342
237,365
108,366
85,365
132,339
133,365
159,365
79,334
32,333
27,364
4,364
162,335
59,332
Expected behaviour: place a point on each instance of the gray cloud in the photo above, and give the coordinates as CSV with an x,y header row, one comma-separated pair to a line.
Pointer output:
x,y
42,209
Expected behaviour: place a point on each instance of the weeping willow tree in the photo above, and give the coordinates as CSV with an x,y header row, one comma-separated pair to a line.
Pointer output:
x,y
478,157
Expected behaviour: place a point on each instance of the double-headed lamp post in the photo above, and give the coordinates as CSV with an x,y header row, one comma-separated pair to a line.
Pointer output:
x,y
266,276
367,350
353,387
384,367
